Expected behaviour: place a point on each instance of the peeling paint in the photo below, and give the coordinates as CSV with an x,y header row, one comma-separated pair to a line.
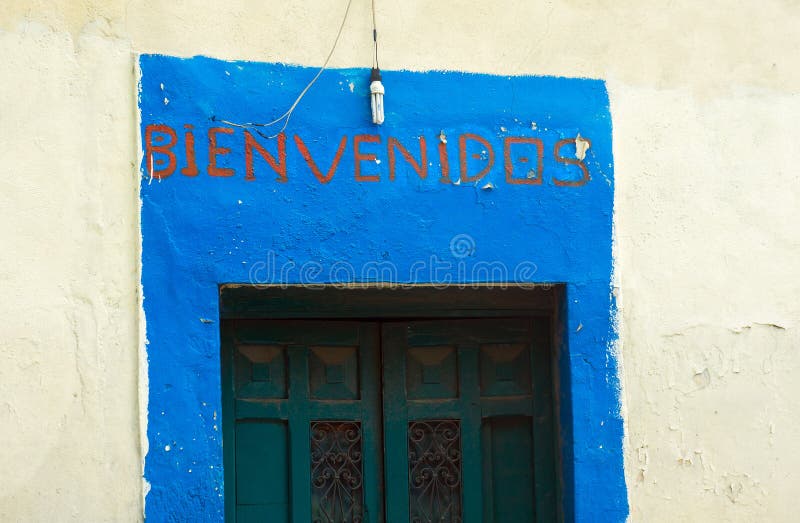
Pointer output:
x,y
581,146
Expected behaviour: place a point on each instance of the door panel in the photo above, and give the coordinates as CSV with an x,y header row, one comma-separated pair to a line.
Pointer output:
x,y
462,430
337,479
307,427
507,454
261,470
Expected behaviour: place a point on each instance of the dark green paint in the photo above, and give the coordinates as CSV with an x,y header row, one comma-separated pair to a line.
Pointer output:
x,y
375,302
508,483
349,392
492,375
261,471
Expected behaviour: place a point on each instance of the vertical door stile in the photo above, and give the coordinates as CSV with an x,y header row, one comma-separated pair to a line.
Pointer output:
x,y
299,422
487,494
369,340
228,421
395,414
470,408
544,446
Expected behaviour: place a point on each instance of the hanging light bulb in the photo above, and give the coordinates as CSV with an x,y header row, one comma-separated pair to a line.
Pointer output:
x,y
376,96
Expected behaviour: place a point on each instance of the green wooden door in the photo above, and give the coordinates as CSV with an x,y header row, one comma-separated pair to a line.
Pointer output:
x,y
302,438
460,431
468,421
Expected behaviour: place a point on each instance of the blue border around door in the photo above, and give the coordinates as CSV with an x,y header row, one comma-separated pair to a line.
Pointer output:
x,y
489,187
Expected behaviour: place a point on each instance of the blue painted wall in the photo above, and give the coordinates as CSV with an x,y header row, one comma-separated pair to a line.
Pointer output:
x,y
201,231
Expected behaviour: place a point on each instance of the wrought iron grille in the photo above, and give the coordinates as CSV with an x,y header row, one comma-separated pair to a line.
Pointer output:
x,y
434,471
336,477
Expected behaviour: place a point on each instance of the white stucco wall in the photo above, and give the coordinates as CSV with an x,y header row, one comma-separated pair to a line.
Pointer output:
x,y
705,103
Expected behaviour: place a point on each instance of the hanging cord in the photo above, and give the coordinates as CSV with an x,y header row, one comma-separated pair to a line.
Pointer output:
x,y
375,64
288,114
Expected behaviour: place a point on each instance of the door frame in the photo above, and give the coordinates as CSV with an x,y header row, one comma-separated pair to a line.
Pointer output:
x,y
380,302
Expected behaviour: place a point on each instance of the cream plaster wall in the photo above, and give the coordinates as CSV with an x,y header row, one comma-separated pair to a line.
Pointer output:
x,y
705,99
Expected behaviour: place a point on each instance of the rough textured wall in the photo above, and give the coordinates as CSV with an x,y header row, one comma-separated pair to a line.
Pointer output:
x,y
704,101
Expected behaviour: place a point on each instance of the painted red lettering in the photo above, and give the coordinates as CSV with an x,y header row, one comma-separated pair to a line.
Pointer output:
x,y
159,144
532,176
191,160
279,165
361,157
443,161
214,150
421,168
571,161
462,156
313,166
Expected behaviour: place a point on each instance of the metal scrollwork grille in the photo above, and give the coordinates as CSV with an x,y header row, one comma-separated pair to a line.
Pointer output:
x,y
434,471
336,476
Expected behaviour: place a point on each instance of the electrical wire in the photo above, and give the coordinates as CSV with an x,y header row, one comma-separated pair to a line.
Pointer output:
x,y
375,63
288,114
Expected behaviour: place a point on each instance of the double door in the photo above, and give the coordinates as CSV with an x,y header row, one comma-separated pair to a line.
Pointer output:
x,y
396,421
